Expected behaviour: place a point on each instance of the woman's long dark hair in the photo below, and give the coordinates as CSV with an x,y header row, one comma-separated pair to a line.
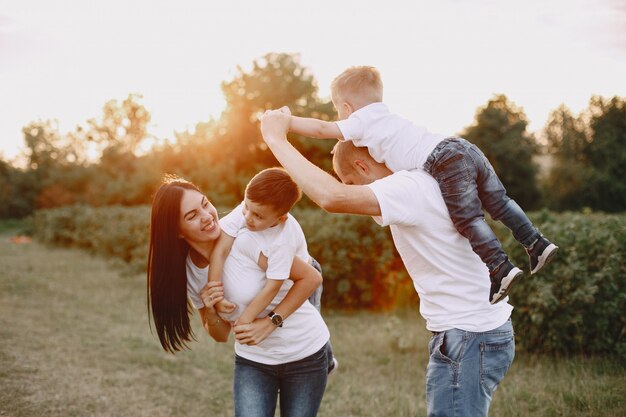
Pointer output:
x,y
167,277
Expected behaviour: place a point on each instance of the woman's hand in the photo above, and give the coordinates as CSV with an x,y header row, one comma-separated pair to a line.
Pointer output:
x,y
255,332
211,294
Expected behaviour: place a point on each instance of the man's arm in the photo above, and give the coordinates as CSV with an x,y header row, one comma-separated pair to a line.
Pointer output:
x,y
321,187
314,128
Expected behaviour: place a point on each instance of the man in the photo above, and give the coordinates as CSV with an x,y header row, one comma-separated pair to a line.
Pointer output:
x,y
472,345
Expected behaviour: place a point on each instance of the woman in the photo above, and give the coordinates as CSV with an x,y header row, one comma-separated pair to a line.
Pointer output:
x,y
292,359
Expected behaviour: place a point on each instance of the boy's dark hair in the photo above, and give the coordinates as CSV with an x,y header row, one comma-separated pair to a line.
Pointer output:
x,y
275,188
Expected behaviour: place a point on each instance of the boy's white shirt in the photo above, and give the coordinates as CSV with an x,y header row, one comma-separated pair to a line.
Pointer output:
x,y
279,243
451,280
389,138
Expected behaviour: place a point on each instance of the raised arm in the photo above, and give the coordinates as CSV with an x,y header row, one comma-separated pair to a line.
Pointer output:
x,y
314,128
218,329
321,187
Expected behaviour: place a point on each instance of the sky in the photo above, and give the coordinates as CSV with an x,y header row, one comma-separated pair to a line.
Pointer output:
x,y
440,61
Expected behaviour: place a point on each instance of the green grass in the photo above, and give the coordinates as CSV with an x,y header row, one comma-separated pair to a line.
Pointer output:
x,y
75,341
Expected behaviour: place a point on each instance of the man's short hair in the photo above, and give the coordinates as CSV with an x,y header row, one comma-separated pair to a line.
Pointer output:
x,y
358,85
345,153
275,188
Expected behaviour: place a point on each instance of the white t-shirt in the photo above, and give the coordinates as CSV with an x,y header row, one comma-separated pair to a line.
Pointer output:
x,y
390,139
304,331
279,243
451,280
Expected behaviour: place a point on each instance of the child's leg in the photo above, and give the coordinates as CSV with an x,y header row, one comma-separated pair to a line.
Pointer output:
x,y
457,175
316,297
493,196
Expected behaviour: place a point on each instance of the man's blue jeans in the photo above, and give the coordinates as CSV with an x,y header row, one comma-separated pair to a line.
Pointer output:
x,y
301,385
465,369
468,182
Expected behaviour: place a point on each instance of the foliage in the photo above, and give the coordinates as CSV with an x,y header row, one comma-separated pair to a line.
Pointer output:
x,y
499,130
574,305
589,153
577,304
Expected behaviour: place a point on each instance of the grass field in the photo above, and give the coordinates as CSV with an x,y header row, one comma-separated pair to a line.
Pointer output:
x,y
75,341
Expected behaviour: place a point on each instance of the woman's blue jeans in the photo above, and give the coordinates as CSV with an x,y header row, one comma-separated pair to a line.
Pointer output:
x,y
301,385
468,183
465,369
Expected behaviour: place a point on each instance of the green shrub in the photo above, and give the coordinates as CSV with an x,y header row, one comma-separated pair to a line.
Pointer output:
x,y
577,304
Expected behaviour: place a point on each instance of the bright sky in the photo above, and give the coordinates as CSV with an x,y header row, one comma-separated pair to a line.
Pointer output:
x,y
440,60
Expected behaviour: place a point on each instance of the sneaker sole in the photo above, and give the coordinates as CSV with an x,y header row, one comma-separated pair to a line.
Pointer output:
x,y
546,256
507,283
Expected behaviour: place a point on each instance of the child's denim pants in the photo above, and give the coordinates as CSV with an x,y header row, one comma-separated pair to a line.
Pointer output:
x,y
468,182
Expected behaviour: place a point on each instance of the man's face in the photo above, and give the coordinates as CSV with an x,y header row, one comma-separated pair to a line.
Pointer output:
x,y
260,217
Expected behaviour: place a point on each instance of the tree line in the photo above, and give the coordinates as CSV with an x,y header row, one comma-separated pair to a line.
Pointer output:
x,y
101,163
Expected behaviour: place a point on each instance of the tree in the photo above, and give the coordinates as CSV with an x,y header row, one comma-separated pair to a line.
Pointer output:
x,y
566,143
606,153
499,130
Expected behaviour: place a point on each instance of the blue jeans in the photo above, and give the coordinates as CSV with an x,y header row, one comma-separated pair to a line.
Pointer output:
x,y
316,297
465,369
468,182
301,385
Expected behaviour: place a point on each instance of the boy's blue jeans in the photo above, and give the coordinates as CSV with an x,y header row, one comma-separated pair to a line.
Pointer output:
x,y
301,385
468,183
465,369
316,297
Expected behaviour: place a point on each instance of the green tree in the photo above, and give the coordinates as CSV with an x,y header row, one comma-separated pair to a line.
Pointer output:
x,y
499,130
606,153
566,144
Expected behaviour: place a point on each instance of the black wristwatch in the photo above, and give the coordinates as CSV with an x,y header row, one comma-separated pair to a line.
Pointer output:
x,y
277,319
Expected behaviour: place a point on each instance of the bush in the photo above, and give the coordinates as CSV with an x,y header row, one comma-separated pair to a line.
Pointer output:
x,y
575,305
578,303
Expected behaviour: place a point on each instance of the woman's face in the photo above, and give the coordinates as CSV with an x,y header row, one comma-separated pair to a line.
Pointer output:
x,y
198,218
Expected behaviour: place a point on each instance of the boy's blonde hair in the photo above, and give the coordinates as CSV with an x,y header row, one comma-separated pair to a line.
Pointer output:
x,y
358,85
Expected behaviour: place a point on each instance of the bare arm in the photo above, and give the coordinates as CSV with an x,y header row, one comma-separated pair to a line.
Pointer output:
x,y
216,262
314,128
217,328
260,301
321,187
306,280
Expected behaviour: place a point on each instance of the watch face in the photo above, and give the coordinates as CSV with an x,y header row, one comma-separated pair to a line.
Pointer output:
x,y
277,320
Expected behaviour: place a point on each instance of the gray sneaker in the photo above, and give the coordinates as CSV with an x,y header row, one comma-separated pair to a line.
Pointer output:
x,y
502,279
541,253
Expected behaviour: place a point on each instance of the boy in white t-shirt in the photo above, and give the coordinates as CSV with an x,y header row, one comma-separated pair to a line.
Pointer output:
x,y
269,196
467,180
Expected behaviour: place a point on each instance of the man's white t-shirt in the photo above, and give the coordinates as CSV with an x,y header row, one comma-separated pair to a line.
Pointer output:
x,y
304,331
389,138
451,280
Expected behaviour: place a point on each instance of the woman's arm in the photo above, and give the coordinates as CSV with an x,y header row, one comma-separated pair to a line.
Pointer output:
x,y
314,128
306,280
218,329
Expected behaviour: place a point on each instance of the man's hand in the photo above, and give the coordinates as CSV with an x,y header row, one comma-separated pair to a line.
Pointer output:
x,y
275,125
255,332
